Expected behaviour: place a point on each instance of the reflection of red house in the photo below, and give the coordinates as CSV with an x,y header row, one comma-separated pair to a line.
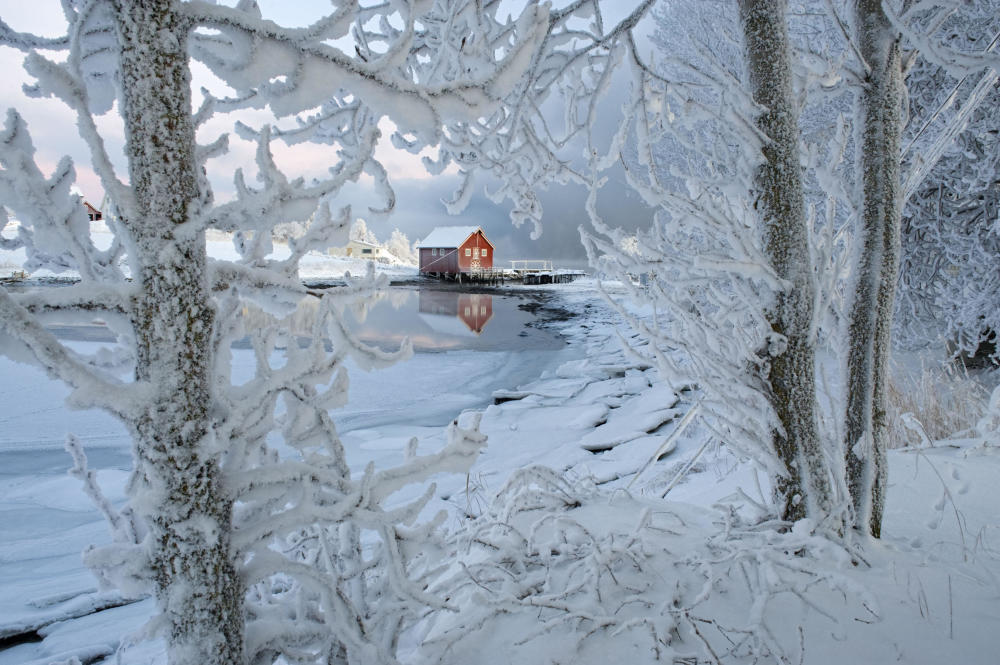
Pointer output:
x,y
442,310
475,310
450,250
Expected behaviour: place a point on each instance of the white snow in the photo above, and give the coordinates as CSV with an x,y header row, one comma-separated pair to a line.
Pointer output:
x,y
600,569
448,237
314,265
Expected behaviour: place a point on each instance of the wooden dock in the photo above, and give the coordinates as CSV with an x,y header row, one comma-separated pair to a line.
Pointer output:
x,y
487,276
542,272
530,272
556,277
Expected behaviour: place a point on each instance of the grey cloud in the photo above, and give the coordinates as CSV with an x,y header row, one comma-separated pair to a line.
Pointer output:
x,y
419,209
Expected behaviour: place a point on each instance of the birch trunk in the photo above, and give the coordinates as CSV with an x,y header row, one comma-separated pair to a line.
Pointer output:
x,y
805,489
870,319
178,478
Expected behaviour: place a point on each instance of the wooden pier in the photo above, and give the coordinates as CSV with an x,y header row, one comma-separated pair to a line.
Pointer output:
x,y
542,272
530,272
488,276
557,277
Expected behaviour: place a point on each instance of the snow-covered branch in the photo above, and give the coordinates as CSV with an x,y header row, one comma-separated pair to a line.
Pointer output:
x,y
91,388
520,146
937,30
54,226
77,297
306,64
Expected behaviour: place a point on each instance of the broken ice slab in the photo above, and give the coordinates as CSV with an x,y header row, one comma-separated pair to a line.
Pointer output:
x,y
638,416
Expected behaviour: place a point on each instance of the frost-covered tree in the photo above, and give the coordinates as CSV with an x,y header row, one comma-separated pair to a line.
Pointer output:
x,y
400,247
361,232
949,249
252,555
731,260
930,28
877,270
716,275
805,486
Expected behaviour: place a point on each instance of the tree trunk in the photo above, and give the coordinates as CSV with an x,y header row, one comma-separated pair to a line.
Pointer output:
x,y
178,479
805,489
870,321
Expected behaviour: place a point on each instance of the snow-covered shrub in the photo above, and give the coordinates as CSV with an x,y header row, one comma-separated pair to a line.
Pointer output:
x,y
988,426
558,571
941,402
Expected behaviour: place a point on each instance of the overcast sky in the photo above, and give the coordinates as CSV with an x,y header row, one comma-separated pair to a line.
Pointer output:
x,y
419,195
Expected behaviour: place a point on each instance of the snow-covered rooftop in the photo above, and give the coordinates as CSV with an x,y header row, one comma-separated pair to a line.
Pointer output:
x,y
448,236
364,243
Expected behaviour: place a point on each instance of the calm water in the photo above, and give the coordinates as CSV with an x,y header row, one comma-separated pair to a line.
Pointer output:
x,y
433,319
493,341
446,320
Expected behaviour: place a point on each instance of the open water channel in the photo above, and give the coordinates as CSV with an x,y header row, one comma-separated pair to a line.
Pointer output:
x,y
466,345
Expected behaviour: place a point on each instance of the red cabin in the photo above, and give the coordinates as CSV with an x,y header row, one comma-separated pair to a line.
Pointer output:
x,y
450,250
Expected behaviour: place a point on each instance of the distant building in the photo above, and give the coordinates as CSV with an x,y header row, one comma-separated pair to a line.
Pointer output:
x,y
93,213
450,250
358,248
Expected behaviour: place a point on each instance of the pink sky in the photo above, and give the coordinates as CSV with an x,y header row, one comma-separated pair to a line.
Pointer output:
x,y
53,126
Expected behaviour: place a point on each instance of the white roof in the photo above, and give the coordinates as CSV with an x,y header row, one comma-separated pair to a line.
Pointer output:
x,y
448,236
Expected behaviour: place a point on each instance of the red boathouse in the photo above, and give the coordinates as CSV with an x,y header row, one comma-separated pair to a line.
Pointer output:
x,y
451,250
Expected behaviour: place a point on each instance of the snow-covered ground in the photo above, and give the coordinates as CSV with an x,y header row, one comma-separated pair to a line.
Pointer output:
x,y
609,573
47,520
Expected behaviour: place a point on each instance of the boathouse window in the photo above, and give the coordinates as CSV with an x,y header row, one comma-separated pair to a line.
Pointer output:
x,y
434,252
468,252
483,252
366,251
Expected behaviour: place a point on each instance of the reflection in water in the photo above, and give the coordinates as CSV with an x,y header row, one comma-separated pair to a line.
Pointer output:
x,y
433,320
440,309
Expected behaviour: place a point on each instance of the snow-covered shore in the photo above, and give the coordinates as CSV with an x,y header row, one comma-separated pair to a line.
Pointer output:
x,y
926,593
609,572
